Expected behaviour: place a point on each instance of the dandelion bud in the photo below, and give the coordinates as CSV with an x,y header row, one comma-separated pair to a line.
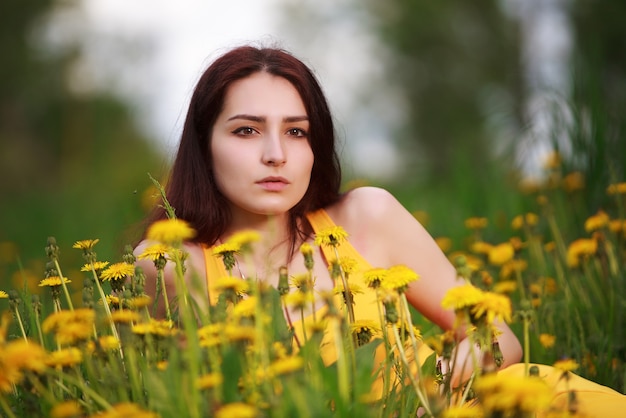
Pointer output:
x,y
335,269
51,270
138,282
88,292
14,298
283,280
498,357
128,256
36,304
52,249
307,253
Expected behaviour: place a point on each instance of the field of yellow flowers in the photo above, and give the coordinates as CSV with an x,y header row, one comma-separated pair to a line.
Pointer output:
x,y
103,353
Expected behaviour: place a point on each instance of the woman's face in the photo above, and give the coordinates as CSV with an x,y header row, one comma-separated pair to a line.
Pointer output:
x,y
262,159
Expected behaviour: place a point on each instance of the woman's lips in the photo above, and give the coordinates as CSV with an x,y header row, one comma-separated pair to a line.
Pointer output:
x,y
273,184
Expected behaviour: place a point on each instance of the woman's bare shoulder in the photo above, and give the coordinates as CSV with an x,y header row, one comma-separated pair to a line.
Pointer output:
x,y
364,204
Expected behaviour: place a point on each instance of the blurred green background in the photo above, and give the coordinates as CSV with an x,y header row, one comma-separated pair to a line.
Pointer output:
x,y
74,164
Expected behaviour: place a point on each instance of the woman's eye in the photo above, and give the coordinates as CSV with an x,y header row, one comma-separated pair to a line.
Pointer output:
x,y
244,131
297,132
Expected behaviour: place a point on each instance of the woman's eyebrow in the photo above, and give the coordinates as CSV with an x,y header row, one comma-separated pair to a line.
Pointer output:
x,y
253,118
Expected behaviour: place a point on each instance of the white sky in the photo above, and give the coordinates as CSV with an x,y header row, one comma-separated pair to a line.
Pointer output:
x,y
180,38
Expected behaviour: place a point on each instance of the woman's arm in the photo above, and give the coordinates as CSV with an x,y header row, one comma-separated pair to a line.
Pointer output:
x,y
387,234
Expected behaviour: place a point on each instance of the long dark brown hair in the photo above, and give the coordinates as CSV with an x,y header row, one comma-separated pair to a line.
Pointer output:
x,y
191,188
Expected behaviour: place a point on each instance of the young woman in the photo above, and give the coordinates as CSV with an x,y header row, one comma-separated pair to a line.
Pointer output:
x,y
258,152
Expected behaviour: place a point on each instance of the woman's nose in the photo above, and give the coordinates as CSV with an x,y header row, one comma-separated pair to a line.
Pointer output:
x,y
273,151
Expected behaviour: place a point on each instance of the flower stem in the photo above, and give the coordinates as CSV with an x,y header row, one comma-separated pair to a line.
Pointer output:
x,y
63,285
6,408
416,387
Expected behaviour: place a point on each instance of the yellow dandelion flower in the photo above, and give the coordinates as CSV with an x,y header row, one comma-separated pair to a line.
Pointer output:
x,y
511,267
573,182
481,247
387,296
243,239
355,289
163,328
470,261
529,186
467,410
125,316
53,281
617,225
317,327
155,252
3,294
552,161
236,333
304,282
139,302
118,271
245,307
127,409
9,377
505,287
306,249
286,365
23,355
230,283
501,253
476,223
461,297
109,342
97,266
299,300
398,278
500,393
566,365
70,326
113,300
529,219
616,188
348,264
365,325
162,365
227,247
547,340
550,286
209,381
170,231
67,409
86,244
64,358
580,248
444,243
597,221
211,330
493,306
374,277
535,289
236,410
331,237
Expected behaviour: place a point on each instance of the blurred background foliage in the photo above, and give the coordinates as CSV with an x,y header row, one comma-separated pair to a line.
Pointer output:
x,y
73,164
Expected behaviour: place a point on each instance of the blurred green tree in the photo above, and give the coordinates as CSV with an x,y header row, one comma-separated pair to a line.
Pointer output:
x,y
71,165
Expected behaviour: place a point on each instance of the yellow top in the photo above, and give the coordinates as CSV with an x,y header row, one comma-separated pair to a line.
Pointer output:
x,y
365,302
